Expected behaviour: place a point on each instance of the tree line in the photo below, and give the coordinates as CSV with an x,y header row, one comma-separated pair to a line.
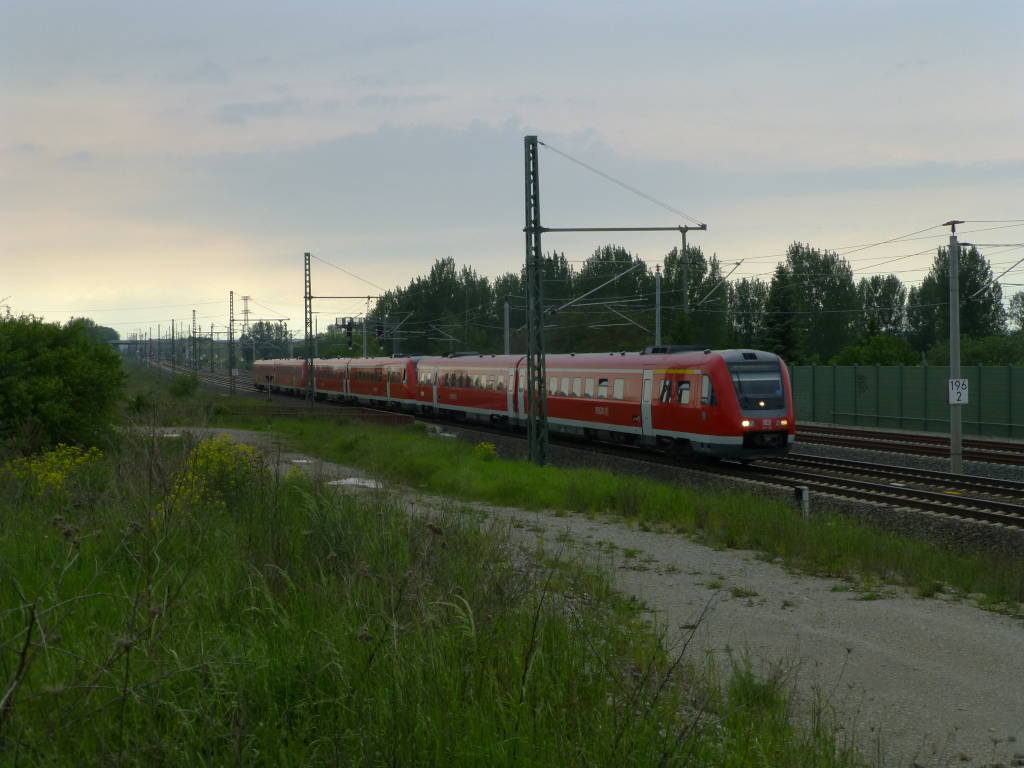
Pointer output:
x,y
811,310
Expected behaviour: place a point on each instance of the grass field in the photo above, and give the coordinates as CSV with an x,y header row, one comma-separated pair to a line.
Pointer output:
x,y
825,545
828,545
172,604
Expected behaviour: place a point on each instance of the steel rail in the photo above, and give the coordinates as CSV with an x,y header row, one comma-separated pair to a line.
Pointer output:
x,y
997,486
995,453
902,436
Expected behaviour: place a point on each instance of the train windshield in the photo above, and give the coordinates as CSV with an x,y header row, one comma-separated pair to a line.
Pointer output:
x,y
758,385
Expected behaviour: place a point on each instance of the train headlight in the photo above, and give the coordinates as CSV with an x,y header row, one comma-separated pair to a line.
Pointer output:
x,y
761,403
746,423
783,422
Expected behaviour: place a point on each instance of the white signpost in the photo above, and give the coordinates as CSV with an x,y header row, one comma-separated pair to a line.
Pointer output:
x,y
958,391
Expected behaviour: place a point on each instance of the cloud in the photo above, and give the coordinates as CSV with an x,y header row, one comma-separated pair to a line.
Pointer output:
x,y
205,73
239,113
377,100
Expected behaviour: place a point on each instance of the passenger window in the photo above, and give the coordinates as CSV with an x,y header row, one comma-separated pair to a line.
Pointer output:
x,y
666,391
565,386
602,387
577,386
620,389
553,386
707,395
476,382
683,393
500,383
589,391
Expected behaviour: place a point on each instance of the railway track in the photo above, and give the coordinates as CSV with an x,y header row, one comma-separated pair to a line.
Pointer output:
x,y
216,378
963,496
994,451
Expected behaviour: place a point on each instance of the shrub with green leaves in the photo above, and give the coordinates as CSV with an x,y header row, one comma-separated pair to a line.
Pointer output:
x,y
485,451
184,384
217,473
57,384
49,473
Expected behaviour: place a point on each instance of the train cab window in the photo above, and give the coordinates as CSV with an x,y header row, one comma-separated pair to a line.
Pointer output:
x,y
683,393
602,388
589,391
577,386
707,394
553,386
758,384
565,386
665,395
619,389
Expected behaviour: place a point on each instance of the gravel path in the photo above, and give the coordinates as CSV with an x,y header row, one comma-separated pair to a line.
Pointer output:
x,y
928,683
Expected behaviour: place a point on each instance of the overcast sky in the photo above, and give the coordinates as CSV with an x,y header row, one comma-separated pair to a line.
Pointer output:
x,y
155,156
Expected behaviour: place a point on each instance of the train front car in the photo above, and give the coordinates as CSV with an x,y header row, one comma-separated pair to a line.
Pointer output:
x,y
760,402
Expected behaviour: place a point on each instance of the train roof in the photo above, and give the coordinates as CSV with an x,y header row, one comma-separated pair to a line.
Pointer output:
x,y
652,356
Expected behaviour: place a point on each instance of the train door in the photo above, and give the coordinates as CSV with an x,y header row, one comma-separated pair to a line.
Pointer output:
x,y
521,387
645,403
510,391
387,385
434,378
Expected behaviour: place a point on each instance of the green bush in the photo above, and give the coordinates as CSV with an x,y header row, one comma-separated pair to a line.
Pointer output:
x,y
184,385
879,349
58,384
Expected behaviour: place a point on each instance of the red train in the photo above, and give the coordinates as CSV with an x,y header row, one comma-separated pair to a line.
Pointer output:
x,y
735,402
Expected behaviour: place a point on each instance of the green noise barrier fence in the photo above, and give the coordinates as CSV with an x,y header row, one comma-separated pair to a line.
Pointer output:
x,y
912,397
